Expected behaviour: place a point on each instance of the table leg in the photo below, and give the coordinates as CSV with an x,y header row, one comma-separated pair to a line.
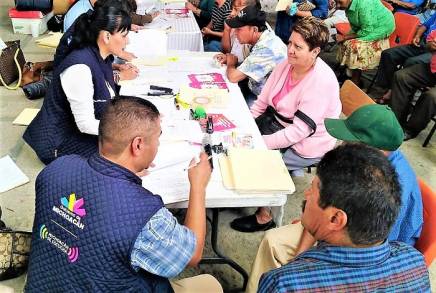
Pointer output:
x,y
221,258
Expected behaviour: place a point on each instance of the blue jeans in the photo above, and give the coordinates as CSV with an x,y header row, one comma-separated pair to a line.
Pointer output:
x,y
212,46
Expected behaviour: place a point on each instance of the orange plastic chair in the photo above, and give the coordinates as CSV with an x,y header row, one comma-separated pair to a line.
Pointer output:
x,y
426,243
405,28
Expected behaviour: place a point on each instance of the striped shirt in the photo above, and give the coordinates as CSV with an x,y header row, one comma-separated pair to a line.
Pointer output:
x,y
389,267
220,14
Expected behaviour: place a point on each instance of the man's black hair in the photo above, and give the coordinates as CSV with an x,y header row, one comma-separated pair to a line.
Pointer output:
x,y
360,180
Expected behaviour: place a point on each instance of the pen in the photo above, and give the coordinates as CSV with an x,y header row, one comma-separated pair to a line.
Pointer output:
x,y
176,104
195,164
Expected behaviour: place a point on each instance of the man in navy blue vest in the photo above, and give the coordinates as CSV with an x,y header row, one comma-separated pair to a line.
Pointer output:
x,y
96,229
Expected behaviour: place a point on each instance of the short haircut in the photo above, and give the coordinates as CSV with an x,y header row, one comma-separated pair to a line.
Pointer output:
x,y
313,30
360,180
125,118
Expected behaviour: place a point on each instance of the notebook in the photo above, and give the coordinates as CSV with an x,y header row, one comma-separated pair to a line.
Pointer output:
x,y
251,170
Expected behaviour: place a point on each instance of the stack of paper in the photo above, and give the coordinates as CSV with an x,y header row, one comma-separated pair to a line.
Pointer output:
x,y
250,170
51,41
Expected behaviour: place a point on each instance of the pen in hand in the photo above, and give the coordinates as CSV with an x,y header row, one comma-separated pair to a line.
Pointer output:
x,y
195,164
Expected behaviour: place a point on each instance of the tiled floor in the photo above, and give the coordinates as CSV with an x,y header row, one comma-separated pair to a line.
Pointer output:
x,y
18,204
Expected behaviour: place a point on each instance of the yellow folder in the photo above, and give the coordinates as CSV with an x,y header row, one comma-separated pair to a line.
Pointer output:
x,y
250,170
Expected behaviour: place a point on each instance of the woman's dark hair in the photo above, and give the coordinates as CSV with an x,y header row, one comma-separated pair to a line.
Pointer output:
x,y
103,18
313,30
361,181
128,5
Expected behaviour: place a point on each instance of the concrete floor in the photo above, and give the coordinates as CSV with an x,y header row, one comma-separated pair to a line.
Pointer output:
x,y
18,204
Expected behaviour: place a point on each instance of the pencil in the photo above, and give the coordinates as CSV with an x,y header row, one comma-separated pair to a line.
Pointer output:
x,y
195,164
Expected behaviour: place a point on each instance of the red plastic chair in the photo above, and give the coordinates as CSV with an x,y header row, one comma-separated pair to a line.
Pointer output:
x,y
405,28
426,243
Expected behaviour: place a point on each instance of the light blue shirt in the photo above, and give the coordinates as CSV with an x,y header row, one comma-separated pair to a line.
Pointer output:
x,y
164,247
264,57
408,225
78,9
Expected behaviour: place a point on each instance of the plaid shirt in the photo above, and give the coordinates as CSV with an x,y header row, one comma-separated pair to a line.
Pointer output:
x,y
164,247
389,267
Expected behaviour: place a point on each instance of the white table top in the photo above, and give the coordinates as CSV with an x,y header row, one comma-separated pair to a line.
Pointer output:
x,y
237,111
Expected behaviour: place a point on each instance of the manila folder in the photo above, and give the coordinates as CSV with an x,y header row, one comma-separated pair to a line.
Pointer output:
x,y
250,170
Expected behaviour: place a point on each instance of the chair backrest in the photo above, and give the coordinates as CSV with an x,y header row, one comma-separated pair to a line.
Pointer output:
x,y
388,5
426,243
405,28
352,97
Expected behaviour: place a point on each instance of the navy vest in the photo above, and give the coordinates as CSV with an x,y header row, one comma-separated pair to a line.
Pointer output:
x,y
88,215
54,132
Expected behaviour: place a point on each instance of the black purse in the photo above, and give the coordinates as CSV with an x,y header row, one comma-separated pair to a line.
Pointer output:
x,y
268,122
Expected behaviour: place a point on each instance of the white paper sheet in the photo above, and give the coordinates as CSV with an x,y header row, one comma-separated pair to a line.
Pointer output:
x,y
26,116
186,130
11,176
170,154
171,183
149,42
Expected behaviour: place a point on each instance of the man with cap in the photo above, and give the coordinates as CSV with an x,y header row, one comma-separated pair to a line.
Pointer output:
x,y
373,125
267,50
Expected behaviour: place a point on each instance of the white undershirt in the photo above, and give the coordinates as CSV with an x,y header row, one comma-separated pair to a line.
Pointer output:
x,y
77,84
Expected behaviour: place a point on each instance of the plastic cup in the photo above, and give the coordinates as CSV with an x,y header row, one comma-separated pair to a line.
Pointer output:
x,y
34,28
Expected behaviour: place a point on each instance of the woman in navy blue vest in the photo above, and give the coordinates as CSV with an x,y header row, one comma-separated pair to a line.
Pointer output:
x,y
83,84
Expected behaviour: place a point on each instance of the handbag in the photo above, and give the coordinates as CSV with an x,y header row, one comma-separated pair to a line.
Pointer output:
x,y
14,252
11,64
269,122
305,6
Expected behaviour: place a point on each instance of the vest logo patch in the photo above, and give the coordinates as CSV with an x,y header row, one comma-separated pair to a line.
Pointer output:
x,y
71,210
74,205
72,252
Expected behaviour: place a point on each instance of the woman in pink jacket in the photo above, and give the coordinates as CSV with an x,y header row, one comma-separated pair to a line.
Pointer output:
x,y
299,94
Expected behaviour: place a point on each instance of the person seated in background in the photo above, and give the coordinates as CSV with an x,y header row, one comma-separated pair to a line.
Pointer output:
x,y
404,85
403,56
371,25
351,205
285,21
406,6
123,238
429,10
267,51
213,32
202,11
303,89
375,126
82,86
229,41
82,6
334,16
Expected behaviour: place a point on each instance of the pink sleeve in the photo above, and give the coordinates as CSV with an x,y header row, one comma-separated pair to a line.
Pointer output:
x,y
316,102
